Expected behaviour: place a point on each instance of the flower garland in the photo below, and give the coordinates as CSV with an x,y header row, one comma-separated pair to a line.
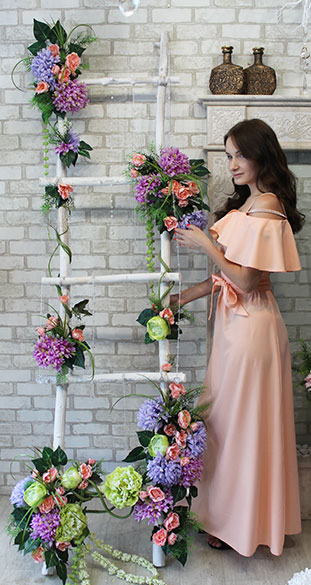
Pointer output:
x,y
302,578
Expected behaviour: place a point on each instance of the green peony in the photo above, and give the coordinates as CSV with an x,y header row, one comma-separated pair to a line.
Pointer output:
x,y
157,328
35,494
122,486
158,444
73,524
71,478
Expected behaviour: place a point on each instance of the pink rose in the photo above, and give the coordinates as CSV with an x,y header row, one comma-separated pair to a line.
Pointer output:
x,y
168,315
34,473
184,419
63,545
47,505
138,159
83,485
176,186
194,426
73,61
42,87
64,190
37,554
134,173
51,323
193,187
173,452
50,475
41,331
171,521
308,381
143,495
55,69
91,461
85,471
184,461
54,50
159,537
155,494
170,430
171,539
166,367
64,75
183,193
177,389
165,190
64,299
170,222
60,490
183,203
61,500
78,334
181,438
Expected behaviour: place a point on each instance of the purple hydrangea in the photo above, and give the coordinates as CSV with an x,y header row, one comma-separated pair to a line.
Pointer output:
x,y
164,472
52,351
173,162
44,525
41,67
17,495
72,143
152,511
196,442
70,96
191,472
147,184
151,415
197,218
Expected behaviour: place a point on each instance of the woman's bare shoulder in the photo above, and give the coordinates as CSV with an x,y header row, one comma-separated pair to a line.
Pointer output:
x,y
268,201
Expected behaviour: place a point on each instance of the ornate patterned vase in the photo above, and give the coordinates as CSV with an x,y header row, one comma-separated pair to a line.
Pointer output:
x,y
227,78
259,78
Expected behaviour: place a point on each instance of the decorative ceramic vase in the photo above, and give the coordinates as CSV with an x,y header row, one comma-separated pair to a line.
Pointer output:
x,y
227,78
259,78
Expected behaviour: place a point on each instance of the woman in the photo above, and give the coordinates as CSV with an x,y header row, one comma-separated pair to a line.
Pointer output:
x,y
249,491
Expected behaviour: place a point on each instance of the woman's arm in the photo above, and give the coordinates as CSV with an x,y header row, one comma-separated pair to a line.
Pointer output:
x,y
244,277
193,293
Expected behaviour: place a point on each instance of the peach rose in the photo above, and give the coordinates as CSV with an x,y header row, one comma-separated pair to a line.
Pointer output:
x,y
138,159
61,500
63,545
83,485
54,50
50,475
183,203
47,505
171,521
37,554
184,461
194,426
51,322
177,389
155,494
170,430
42,87
73,61
64,299
60,490
170,222
183,193
193,187
171,539
91,461
64,190
184,419
159,537
55,69
35,473
143,495
78,334
176,186
64,75
165,190
41,331
166,367
168,315
85,471
134,173
173,452
181,438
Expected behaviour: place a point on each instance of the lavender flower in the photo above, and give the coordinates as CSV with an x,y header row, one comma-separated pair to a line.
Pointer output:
x,y
151,415
173,162
197,218
147,184
191,472
41,67
44,525
17,495
72,142
196,442
163,472
52,351
152,511
70,96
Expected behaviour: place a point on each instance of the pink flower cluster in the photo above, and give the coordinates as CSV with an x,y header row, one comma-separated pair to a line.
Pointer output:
x,y
182,192
168,315
170,524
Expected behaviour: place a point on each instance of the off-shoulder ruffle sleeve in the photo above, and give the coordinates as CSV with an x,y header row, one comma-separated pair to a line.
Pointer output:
x,y
256,242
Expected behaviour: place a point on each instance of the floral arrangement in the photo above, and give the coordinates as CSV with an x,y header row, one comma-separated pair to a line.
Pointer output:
x,y
301,578
302,365
169,190
60,345
172,441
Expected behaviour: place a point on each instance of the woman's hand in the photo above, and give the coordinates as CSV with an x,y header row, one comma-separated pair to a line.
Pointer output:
x,y
192,237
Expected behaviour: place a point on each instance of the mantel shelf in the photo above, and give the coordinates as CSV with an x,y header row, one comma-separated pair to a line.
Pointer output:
x,y
275,101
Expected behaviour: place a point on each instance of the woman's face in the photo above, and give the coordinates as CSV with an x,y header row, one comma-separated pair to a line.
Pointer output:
x,y
243,170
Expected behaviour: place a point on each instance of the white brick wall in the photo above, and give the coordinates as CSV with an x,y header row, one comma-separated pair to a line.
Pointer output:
x,y
115,127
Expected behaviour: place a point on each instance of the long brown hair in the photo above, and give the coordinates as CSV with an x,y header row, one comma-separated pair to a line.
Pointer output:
x,y
257,141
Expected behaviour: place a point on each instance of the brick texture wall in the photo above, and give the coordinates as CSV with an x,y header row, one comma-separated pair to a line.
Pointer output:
x,y
105,234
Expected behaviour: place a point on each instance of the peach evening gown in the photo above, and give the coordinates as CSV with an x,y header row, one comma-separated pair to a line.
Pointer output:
x,y
249,493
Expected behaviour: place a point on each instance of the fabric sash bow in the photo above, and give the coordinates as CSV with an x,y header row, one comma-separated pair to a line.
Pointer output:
x,y
230,296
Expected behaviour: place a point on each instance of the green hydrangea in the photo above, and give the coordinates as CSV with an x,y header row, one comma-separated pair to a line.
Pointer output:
x,y
158,444
157,328
71,478
35,494
73,524
122,486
